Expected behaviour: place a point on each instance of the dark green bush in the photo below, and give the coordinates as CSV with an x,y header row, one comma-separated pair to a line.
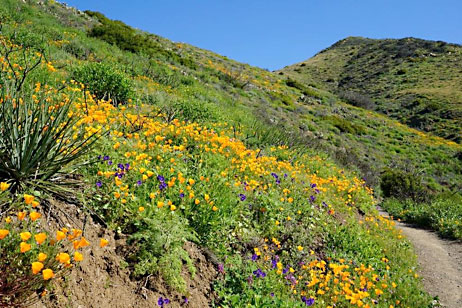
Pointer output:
x,y
403,185
197,111
77,49
459,156
345,126
105,82
126,38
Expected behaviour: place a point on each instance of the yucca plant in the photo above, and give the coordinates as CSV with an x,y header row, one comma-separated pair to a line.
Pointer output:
x,y
37,138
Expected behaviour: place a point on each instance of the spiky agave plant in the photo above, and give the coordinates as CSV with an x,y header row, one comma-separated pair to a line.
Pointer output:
x,y
37,138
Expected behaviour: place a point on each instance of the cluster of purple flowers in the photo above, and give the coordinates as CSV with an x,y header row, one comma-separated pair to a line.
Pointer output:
x,y
276,177
291,278
120,171
162,184
259,273
313,186
274,262
308,301
242,197
221,268
105,158
162,301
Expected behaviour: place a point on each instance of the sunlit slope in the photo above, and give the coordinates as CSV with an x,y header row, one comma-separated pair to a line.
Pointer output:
x,y
414,81
198,84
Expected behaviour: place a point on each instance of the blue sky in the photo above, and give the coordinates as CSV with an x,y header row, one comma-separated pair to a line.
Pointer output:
x,y
274,33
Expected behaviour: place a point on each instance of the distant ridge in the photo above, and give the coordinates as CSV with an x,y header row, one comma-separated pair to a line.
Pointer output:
x,y
413,80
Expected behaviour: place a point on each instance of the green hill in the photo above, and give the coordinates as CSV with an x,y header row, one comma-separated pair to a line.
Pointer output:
x,y
130,160
414,81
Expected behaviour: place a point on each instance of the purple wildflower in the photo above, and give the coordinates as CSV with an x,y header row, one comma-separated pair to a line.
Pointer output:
x,y
313,185
221,268
139,183
272,294
162,301
182,195
274,263
254,257
120,166
185,299
109,162
242,197
162,186
99,184
127,166
161,178
105,157
308,301
259,273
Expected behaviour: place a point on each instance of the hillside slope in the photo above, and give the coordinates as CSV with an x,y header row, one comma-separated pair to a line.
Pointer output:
x,y
166,147
414,81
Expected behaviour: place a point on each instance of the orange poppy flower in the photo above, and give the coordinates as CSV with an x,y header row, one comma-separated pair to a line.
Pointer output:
x,y
36,267
47,274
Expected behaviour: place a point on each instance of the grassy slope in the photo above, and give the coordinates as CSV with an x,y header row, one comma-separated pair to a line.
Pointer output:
x,y
261,102
412,80
211,89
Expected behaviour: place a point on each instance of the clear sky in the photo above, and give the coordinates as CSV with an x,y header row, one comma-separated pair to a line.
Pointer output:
x,y
274,33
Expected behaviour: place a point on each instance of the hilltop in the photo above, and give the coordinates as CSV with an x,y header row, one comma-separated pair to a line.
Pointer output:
x,y
412,80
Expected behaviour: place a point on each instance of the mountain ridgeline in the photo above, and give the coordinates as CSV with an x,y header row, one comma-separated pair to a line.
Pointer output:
x,y
417,82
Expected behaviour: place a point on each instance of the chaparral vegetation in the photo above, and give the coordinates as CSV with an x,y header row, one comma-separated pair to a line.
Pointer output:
x,y
166,145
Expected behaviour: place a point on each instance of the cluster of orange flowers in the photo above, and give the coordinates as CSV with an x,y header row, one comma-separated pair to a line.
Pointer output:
x,y
39,239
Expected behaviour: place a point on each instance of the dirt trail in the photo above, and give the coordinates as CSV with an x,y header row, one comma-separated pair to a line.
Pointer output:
x,y
440,263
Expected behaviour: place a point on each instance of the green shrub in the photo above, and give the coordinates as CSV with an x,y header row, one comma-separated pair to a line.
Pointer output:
x,y
403,185
126,38
36,140
159,249
105,82
345,126
77,49
443,213
197,111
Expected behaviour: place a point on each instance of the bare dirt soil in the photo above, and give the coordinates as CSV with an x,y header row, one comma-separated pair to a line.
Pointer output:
x,y
101,281
440,263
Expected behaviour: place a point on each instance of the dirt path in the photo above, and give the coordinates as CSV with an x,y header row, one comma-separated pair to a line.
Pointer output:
x,y
440,264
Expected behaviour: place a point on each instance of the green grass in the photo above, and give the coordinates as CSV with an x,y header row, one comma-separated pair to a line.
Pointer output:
x,y
414,81
229,126
442,214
